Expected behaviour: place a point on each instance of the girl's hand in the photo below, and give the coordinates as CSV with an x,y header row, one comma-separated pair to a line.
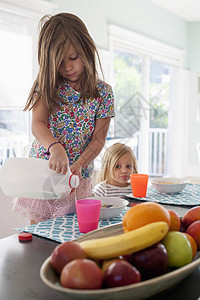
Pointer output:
x,y
76,169
58,161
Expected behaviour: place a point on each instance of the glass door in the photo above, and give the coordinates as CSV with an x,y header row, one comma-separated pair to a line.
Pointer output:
x,y
143,92
160,95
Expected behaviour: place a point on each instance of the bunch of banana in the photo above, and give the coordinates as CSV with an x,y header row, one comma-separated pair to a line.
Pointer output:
x,y
125,243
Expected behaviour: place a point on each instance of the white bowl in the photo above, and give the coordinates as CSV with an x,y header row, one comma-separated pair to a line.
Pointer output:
x,y
116,204
141,290
169,185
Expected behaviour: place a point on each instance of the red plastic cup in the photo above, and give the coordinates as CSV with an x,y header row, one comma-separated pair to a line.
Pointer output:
x,y
139,184
88,213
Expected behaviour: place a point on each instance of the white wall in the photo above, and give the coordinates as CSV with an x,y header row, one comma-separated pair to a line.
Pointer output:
x,y
140,16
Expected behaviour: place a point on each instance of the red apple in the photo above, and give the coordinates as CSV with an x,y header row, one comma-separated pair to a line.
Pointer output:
x,y
152,261
183,226
107,262
120,273
64,253
127,257
81,274
194,231
192,215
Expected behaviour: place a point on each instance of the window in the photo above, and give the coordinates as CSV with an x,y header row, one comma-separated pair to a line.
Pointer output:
x,y
16,79
160,97
128,88
18,60
142,75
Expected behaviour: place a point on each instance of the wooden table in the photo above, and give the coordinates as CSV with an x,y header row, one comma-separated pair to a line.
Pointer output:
x,y
20,280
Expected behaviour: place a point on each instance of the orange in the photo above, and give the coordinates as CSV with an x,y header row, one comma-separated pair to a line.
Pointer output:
x,y
192,243
143,214
175,223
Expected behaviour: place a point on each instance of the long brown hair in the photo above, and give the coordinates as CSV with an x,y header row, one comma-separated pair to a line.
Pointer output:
x,y
111,157
56,35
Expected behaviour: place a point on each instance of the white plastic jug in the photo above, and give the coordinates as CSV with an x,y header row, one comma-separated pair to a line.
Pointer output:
x,y
32,178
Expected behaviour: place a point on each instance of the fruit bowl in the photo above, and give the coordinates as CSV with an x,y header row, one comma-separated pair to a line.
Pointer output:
x,y
169,185
142,290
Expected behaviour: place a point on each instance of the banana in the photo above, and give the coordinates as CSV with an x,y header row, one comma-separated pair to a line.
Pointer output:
x,y
125,243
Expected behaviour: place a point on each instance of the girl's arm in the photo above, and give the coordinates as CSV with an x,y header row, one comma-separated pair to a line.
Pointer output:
x,y
94,147
58,159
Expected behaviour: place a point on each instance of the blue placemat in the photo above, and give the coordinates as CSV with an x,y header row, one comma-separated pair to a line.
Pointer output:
x,y
190,196
65,228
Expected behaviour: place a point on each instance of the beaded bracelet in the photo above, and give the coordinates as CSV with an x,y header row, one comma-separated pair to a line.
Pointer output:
x,y
47,152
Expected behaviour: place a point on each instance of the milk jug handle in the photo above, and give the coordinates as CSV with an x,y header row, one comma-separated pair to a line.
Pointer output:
x,y
70,180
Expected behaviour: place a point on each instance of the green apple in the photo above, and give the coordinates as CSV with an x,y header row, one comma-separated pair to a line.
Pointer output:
x,y
178,249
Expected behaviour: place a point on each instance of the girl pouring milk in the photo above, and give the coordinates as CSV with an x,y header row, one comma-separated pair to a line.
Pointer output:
x,y
71,111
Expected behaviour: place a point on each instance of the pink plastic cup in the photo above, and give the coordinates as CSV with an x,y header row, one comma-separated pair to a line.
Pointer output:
x,y
88,213
139,184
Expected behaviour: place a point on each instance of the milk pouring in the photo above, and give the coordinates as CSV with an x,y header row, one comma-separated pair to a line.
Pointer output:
x,y
32,178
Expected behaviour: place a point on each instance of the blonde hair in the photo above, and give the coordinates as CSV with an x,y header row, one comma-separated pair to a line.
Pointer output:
x,y
111,157
57,33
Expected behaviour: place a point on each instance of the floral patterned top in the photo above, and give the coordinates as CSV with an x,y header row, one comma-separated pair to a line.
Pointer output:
x,y
73,123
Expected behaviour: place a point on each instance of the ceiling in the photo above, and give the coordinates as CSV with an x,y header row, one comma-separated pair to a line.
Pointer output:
x,y
188,10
